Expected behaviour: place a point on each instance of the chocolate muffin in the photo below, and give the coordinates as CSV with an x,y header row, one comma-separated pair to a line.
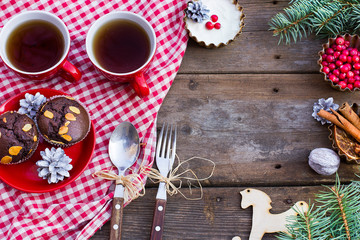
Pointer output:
x,y
18,137
63,121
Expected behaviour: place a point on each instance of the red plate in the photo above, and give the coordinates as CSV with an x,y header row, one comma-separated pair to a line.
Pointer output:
x,y
24,176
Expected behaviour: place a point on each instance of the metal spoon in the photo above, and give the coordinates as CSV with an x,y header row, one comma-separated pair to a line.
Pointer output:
x,y
123,150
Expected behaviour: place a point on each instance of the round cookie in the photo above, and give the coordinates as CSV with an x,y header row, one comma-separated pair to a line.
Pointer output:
x,y
18,137
63,121
228,14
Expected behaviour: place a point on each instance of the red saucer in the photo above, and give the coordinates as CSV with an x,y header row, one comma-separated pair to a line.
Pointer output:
x,y
24,176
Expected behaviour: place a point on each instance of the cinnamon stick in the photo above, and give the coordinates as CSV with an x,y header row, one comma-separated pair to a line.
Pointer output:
x,y
341,122
350,114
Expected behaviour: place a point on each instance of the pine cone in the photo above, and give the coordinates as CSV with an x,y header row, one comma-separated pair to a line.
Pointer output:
x,y
326,105
31,104
197,11
54,166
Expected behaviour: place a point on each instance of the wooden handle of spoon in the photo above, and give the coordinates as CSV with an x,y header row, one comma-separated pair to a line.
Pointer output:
x,y
116,218
158,220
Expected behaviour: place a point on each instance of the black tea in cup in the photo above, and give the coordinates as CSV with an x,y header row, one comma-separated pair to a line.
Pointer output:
x,y
121,46
35,46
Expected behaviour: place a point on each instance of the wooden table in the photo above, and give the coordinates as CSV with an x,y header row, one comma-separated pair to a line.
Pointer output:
x,y
246,106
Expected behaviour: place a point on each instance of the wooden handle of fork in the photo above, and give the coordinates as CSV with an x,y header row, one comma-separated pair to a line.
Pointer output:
x,y
158,220
116,218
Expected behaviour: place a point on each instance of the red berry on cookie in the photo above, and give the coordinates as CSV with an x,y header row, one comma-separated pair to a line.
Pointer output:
x,y
217,25
214,18
209,25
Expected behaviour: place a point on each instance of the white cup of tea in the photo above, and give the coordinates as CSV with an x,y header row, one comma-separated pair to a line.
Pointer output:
x,y
35,45
121,45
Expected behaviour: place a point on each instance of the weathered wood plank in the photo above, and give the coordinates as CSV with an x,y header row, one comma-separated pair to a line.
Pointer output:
x,y
256,50
258,13
218,216
254,126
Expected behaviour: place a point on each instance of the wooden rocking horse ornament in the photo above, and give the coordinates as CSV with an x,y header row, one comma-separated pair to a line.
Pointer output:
x,y
263,221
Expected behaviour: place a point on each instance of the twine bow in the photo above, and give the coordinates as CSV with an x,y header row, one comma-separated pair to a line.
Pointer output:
x,y
175,177
133,185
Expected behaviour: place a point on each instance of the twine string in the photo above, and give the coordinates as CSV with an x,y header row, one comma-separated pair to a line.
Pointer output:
x,y
174,181
133,185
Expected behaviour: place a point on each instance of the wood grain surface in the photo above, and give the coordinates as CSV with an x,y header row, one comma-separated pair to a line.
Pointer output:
x,y
218,216
247,107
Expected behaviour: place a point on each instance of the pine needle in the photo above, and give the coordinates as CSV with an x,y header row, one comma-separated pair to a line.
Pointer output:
x,y
293,24
336,217
325,18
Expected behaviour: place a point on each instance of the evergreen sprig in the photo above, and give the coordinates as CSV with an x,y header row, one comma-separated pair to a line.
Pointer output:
x,y
337,216
307,226
325,18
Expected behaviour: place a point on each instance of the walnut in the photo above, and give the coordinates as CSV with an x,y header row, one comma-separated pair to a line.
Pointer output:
x,y
324,161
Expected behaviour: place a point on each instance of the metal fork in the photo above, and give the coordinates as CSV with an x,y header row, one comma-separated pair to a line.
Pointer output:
x,y
165,156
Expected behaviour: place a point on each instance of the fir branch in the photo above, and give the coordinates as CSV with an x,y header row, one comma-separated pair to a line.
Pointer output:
x,y
341,204
329,19
307,220
336,217
293,24
343,214
312,225
349,2
356,17
326,18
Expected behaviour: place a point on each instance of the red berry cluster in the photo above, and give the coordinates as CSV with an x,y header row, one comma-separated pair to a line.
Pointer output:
x,y
341,64
209,25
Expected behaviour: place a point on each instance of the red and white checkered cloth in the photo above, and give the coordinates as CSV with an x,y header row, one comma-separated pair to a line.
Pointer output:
x,y
79,209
